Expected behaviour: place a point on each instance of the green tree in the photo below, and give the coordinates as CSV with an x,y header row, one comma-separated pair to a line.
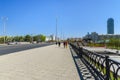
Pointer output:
x,y
21,38
16,38
1,40
35,38
27,38
39,38
114,43
42,37
9,39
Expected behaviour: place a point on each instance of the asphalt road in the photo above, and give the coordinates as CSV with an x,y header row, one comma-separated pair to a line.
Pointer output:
x,y
20,47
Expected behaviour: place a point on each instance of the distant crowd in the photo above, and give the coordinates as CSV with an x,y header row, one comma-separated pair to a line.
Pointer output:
x,y
65,44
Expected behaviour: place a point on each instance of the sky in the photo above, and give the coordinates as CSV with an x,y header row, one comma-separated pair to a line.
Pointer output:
x,y
74,17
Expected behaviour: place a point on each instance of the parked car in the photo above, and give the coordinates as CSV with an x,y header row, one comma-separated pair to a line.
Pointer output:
x,y
12,43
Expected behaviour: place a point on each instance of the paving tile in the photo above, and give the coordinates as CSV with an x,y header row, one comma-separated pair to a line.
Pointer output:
x,y
45,63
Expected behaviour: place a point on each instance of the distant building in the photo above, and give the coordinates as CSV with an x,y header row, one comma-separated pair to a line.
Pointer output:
x,y
93,36
50,38
108,36
110,26
74,39
53,37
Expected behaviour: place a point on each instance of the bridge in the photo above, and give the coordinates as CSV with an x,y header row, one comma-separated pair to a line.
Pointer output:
x,y
103,65
51,62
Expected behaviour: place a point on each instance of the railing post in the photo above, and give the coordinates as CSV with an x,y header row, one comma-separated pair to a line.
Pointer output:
x,y
107,68
80,51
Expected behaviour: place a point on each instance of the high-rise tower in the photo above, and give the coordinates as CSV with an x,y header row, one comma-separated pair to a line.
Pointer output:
x,y
110,26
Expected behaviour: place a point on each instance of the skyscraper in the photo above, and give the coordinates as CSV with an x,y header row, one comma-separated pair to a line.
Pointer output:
x,y
110,26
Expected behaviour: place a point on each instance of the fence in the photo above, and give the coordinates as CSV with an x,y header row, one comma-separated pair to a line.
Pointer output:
x,y
102,66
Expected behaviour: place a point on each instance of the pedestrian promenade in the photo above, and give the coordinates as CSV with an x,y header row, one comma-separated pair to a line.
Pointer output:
x,y
44,63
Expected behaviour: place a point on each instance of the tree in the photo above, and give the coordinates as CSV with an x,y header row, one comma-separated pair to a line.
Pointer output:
x,y
114,43
16,38
21,38
1,39
28,38
42,37
9,39
35,38
39,38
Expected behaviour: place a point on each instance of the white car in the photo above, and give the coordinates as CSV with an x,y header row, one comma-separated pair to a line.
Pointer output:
x,y
12,43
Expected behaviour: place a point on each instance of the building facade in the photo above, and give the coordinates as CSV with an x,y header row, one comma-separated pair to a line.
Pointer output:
x,y
50,38
110,26
95,37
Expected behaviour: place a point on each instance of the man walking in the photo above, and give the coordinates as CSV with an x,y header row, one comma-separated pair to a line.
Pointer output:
x,y
64,44
59,44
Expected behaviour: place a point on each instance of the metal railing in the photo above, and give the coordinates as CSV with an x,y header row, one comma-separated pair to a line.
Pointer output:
x,y
104,68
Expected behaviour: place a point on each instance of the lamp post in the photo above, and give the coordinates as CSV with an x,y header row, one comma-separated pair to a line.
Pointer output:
x,y
118,42
56,30
4,19
32,38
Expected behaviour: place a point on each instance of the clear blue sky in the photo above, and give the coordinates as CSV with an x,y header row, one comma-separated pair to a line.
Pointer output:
x,y
75,17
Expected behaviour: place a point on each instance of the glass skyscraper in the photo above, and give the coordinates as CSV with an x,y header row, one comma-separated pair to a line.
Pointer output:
x,y
110,26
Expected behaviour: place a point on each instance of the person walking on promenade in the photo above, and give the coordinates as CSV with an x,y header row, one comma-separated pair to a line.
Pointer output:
x,y
59,44
56,43
64,44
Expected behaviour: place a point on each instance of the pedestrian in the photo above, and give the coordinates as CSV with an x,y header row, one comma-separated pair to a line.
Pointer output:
x,y
64,44
56,43
59,44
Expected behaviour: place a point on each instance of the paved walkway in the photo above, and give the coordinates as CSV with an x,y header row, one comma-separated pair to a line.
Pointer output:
x,y
46,63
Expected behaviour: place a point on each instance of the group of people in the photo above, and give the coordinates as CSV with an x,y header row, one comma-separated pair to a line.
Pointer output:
x,y
65,44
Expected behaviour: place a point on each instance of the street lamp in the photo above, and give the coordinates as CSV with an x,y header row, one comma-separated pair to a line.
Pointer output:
x,y
4,19
56,30
32,38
